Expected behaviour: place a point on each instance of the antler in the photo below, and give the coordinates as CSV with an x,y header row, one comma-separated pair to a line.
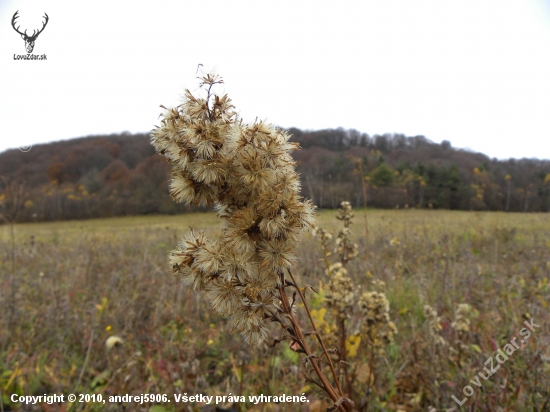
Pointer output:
x,y
43,25
34,34
15,16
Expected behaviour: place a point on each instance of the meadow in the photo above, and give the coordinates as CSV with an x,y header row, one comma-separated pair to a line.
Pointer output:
x,y
66,287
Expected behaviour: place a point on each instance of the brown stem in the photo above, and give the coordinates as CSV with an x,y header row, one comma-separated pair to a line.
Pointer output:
x,y
325,256
344,355
302,297
365,406
331,391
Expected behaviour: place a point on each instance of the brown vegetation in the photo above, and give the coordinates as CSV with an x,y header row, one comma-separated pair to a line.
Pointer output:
x,y
79,283
121,175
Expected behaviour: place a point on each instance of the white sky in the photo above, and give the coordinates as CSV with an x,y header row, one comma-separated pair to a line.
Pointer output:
x,y
476,73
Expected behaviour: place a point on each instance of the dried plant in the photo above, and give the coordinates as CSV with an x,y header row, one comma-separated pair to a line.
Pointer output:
x,y
374,327
246,172
462,321
434,326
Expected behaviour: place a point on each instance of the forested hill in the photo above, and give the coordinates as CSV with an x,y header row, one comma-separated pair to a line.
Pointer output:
x,y
115,175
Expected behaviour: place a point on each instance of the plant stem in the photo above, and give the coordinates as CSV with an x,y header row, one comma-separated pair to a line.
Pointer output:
x,y
302,297
85,360
340,393
331,391
341,324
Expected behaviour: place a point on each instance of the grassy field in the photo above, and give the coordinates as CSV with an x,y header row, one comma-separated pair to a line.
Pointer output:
x,y
66,287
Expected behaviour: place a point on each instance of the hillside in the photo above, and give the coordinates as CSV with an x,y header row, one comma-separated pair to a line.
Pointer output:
x,y
114,175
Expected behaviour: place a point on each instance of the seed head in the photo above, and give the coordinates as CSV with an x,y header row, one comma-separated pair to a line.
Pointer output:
x,y
113,341
246,172
376,323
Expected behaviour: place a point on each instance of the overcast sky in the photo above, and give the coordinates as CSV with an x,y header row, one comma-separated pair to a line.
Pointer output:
x,y
474,72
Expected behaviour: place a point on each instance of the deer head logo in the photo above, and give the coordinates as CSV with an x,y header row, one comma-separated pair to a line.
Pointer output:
x,y
29,40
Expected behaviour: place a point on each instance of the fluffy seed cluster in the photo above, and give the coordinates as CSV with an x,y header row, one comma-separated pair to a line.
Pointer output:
x,y
246,172
113,341
345,213
462,321
341,293
322,235
376,323
434,325
344,246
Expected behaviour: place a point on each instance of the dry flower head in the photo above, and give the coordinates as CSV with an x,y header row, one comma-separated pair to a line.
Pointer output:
x,y
462,321
376,325
434,325
246,172
113,341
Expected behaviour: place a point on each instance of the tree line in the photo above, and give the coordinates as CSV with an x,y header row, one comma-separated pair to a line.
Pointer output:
x,y
120,174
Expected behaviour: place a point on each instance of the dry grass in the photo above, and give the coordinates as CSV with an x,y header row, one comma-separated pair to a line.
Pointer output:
x,y
77,283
